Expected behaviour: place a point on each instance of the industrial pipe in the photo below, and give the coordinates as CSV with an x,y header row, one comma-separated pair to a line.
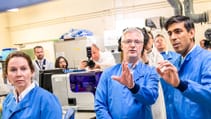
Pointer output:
x,y
176,4
197,18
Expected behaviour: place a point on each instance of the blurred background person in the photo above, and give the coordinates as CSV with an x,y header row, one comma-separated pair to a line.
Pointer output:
x,y
201,43
151,57
27,100
206,44
61,62
102,59
40,62
161,45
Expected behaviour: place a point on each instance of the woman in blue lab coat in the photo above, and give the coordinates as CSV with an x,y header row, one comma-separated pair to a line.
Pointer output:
x,y
27,100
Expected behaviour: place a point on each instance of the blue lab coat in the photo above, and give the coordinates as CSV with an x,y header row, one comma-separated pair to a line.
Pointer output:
x,y
170,56
195,101
37,104
115,101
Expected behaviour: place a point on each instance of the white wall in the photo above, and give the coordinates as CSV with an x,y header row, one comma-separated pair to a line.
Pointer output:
x,y
5,40
50,20
48,47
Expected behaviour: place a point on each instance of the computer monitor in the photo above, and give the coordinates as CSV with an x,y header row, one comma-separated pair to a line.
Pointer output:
x,y
78,89
84,81
45,78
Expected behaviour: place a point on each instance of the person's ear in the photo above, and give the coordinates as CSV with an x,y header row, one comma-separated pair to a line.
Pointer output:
x,y
192,33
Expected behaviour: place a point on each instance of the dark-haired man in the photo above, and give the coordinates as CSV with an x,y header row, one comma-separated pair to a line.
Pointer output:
x,y
189,80
161,46
40,63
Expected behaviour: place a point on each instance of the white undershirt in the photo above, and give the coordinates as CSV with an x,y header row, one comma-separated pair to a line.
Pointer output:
x,y
24,93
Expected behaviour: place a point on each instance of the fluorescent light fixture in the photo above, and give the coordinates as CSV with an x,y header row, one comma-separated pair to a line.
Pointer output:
x,y
13,10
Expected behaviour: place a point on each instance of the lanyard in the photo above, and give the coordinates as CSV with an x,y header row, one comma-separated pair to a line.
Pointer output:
x,y
42,65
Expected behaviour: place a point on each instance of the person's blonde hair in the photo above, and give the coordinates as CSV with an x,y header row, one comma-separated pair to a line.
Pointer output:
x,y
95,46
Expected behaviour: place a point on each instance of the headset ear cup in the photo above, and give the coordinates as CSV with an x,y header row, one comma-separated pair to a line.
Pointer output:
x,y
119,44
207,34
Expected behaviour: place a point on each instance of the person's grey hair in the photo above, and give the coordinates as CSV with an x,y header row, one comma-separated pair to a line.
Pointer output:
x,y
131,29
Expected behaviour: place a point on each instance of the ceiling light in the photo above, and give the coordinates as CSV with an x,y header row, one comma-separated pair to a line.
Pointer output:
x,y
13,10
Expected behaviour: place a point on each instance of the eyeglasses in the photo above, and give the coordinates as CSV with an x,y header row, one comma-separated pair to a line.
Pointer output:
x,y
136,42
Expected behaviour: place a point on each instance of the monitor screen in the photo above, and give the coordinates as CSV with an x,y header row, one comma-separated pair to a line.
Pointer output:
x,y
45,78
84,81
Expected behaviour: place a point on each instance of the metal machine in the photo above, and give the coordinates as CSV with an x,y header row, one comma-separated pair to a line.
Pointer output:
x,y
76,89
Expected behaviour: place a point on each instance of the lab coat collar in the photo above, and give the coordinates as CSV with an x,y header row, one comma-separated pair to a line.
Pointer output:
x,y
26,102
24,93
136,69
194,52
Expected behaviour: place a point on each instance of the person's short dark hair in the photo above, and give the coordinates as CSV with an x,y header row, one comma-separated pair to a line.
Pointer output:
x,y
57,61
188,22
207,44
18,54
38,46
146,38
